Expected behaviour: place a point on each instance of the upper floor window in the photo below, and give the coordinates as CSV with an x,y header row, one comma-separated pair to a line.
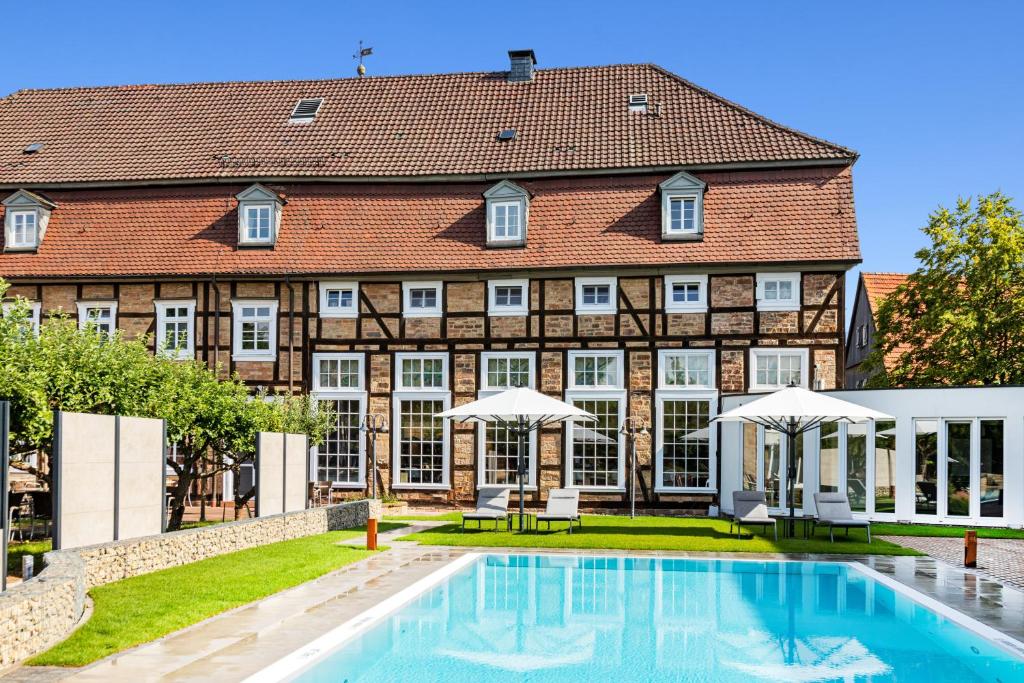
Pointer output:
x,y
175,328
596,294
421,299
595,370
339,299
686,293
508,297
98,315
337,372
862,336
775,368
507,211
25,218
259,216
255,329
778,291
686,369
34,309
682,207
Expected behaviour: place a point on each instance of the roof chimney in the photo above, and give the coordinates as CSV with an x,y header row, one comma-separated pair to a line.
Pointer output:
x,y
521,68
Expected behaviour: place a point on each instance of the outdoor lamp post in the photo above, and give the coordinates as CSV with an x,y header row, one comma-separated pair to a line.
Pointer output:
x,y
633,427
374,424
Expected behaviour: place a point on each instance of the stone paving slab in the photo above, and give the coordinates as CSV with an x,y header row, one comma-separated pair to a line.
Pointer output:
x,y
1001,559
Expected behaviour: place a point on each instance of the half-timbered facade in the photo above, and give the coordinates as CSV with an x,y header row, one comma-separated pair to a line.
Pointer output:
x,y
399,245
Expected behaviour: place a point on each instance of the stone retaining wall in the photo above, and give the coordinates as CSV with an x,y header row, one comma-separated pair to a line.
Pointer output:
x,y
40,612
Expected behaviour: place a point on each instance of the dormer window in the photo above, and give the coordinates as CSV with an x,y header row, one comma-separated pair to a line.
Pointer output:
x,y
507,213
25,218
259,216
682,207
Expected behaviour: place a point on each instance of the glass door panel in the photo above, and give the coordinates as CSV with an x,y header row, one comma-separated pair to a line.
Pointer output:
x,y
772,468
857,466
885,466
958,469
926,473
991,468
828,463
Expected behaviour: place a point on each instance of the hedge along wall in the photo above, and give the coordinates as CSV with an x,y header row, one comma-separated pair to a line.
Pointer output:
x,y
42,611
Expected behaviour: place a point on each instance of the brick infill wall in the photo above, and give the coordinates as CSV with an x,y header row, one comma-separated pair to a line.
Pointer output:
x,y
37,614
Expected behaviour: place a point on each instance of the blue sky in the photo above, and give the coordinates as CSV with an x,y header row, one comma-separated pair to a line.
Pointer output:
x,y
930,93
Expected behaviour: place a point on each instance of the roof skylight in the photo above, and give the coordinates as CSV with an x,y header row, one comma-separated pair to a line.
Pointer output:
x,y
306,109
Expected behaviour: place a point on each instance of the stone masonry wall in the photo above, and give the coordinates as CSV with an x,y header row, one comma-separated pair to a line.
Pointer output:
x,y
40,612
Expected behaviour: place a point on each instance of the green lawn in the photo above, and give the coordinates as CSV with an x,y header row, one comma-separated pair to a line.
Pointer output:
x,y
655,533
138,610
946,531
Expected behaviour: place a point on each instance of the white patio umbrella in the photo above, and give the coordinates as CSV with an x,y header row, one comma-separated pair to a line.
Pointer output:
x,y
793,411
521,411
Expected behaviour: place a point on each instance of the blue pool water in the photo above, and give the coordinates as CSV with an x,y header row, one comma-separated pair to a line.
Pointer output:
x,y
576,619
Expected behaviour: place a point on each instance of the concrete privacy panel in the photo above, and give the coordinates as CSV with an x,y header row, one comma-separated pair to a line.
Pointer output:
x,y
85,492
141,477
296,477
270,473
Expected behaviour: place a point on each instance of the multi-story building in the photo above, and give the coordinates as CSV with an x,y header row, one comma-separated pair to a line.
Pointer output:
x,y
613,236
872,288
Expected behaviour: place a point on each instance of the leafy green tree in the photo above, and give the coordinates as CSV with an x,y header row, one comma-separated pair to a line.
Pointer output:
x,y
959,318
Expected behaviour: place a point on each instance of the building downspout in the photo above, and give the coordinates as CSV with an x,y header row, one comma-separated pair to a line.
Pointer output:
x,y
291,334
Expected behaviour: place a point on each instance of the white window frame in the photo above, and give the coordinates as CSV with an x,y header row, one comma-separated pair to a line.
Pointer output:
x,y
493,235
761,351
663,358
83,309
699,306
682,186
35,312
24,244
357,393
434,312
161,318
792,304
237,353
415,394
487,390
613,295
580,392
257,196
326,311
506,193
493,309
663,395
249,207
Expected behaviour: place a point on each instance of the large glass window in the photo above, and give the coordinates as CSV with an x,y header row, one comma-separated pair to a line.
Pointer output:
x,y
926,473
885,466
991,468
421,442
595,445
772,467
798,483
958,469
828,462
338,457
857,466
686,453
749,456
500,457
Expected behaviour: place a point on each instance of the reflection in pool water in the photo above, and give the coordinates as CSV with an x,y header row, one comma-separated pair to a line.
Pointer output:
x,y
568,618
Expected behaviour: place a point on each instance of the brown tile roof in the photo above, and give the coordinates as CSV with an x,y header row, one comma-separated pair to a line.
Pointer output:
x,y
777,216
399,126
877,286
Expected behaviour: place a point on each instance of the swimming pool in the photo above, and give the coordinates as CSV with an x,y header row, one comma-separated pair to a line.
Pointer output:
x,y
582,618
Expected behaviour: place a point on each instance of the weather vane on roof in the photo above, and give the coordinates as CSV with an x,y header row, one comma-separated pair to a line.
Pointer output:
x,y
363,52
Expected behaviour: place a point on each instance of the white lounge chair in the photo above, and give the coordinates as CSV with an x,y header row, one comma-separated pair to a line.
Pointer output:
x,y
492,504
751,508
834,512
563,506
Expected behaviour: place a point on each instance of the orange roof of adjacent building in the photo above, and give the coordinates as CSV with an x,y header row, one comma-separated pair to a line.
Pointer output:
x,y
877,286
570,119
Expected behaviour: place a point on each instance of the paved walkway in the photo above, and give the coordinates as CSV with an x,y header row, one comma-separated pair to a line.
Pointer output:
x,y
1001,559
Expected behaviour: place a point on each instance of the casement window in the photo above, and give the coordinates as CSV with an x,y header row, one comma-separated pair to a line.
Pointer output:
x,y
686,293
595,451
259,216
175,328
34,312
24,233
775,368
685,445
682,207
596,295
507,207
25,218
98,315
339,299
508,297
255,329
421,441
338,383
862,336
421,299
498,454
778,291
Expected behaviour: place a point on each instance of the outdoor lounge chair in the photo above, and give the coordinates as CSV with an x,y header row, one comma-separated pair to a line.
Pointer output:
x,y
492,504
563,506
750,508
834,511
